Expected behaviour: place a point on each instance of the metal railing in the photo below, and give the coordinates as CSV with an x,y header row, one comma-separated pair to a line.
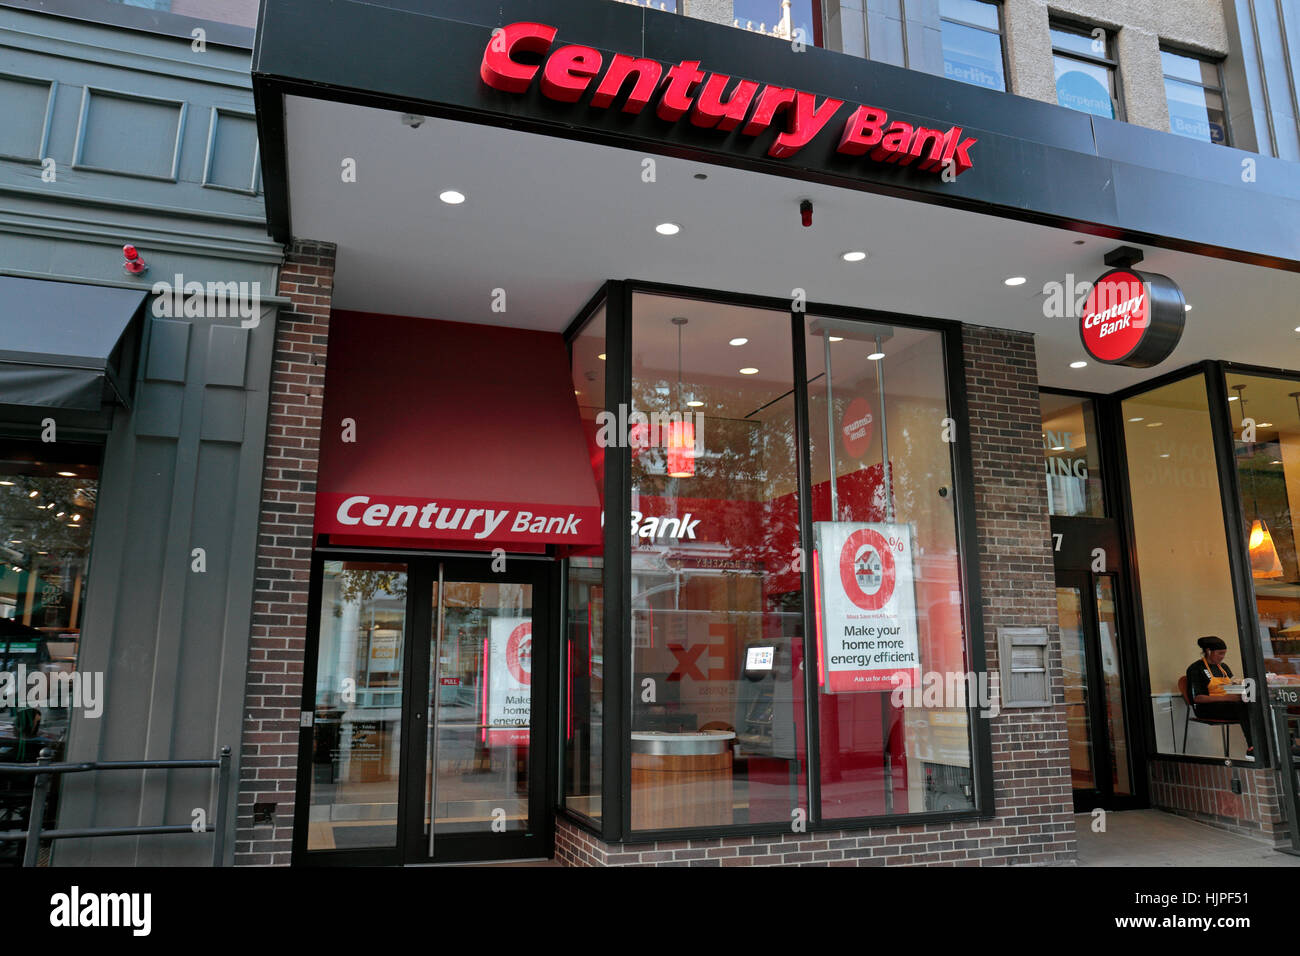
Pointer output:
x,y
1287,772
44,771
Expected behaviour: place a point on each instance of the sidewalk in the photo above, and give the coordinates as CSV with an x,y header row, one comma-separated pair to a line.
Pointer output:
x,y
1156,838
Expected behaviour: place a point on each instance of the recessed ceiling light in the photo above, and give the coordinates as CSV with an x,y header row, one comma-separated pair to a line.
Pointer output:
x,y
601,356
749,371
33,494
7,483
738,341
1058,448
1265,424
1232,398
76,517
1165,455
1138,419
668,229
68,474
1154,424
695,403
857,255
876,356
1015,280
1276,461
451,197
1078,364
835,338
1297,328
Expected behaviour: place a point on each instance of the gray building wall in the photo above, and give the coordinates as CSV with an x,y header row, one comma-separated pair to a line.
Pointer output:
x,y
182,468
1262,72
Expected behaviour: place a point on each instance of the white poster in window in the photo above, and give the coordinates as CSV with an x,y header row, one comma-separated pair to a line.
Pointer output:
x,y
509,681
866,607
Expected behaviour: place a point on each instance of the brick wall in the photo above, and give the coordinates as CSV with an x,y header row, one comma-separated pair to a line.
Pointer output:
x,y
269,746
1204,792
1034,822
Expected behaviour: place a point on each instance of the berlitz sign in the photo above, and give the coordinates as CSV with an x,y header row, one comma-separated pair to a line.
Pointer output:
x,y
684,90
1132,318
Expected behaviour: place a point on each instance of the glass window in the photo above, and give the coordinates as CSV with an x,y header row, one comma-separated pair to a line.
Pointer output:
x,y
894,675
1086,71
1071,456
770,15
584,644
1182,563
358,706
1194,91
717,734
972,43
1268,475
47,512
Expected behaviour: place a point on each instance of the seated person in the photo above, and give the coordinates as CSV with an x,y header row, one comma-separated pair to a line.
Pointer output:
x,y
1205,680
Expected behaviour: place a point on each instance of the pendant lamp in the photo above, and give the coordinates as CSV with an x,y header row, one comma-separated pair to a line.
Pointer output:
x,y
1264,560
680,443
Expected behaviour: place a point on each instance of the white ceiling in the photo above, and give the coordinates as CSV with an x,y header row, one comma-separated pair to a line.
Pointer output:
x,y
549,219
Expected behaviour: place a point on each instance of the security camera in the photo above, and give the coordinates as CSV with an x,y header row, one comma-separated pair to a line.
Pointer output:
x,y
413,120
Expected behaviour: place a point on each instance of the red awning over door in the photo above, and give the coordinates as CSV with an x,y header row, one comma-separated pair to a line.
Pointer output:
x,y
456,435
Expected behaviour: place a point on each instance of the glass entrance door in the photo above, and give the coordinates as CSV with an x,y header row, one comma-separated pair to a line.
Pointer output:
x,y
425,720
1090,658
482,790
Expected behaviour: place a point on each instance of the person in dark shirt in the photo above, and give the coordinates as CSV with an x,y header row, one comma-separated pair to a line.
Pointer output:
x,y
1211,668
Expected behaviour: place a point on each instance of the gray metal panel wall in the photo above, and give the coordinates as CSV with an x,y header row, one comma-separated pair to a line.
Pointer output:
x,y
182,469
1261,75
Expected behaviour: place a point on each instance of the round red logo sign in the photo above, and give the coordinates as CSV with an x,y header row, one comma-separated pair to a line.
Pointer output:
x,y
1115,316
856,427
519,653
867,570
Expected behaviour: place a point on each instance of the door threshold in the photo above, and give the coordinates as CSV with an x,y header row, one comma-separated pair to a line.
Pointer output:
x,y
523,861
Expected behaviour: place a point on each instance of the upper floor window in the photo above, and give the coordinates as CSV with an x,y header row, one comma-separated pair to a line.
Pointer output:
x,y
972,43
1194,89
1087,72
784,19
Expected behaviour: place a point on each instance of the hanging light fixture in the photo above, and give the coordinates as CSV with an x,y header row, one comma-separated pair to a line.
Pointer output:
x,y
1264,560
680,445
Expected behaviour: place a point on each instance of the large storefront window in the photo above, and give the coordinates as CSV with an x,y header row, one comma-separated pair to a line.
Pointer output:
x,y
888,573
47,511
358,706
1072,458
1183,571
717,733
1266,433
584,642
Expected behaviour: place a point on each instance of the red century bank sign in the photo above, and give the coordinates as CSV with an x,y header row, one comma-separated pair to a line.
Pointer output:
x,y
686,90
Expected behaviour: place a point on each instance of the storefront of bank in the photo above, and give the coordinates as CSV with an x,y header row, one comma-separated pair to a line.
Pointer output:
x,y
657,447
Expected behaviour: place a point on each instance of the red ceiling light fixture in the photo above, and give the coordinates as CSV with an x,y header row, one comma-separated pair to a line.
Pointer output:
x,y
133,264
680,444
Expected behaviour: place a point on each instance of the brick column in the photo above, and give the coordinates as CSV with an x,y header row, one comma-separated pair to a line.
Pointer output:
x,y
269,745
1031,755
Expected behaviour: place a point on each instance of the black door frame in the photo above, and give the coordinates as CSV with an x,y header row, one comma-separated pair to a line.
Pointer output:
x,y
1103,795
411,844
